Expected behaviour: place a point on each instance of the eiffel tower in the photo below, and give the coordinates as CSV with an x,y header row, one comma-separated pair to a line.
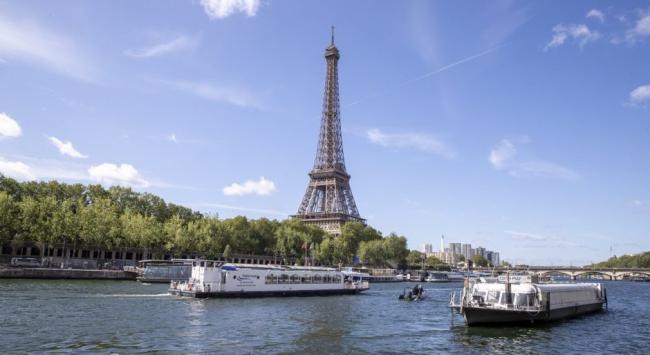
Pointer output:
x,y
328,201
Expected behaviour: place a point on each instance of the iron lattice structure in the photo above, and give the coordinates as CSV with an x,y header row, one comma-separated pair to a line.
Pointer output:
x,y
328,201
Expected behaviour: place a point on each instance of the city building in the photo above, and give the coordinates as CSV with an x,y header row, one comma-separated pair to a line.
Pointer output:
x,y
467,251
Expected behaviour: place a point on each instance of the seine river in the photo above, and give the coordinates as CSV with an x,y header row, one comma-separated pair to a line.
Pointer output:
x,y
128,317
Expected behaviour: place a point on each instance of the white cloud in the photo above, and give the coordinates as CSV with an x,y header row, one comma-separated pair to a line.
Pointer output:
x,y
172,138
9,128
641,28
261,187
541,241
423,142
218,9
16,169
596,14
177,44
231,95
580,33
503,157
640,96
66,148
111,174
526,236
637,203
28,41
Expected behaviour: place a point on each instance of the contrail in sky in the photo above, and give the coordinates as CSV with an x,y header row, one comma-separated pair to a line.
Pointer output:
x,y
424,76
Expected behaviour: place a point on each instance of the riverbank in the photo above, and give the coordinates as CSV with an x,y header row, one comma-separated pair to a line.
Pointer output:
x,y
65,274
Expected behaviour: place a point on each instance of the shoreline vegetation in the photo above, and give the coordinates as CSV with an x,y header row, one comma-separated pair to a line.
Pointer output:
x,y
48,214
641,260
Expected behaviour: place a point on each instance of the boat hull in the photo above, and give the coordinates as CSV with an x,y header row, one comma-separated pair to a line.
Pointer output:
x,y
486,316
250,294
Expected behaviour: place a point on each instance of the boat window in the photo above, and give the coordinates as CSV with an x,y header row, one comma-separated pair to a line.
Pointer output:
x,y
202,263
524,300
318,279
284,279
223,277
492,297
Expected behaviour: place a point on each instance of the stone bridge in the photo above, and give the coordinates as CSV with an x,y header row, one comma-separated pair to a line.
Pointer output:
x,y
574,272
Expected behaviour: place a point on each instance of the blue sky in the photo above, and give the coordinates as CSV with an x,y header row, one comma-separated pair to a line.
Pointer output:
x,y
519,126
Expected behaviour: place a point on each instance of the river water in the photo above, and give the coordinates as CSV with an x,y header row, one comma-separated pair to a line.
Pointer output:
x,y
128,317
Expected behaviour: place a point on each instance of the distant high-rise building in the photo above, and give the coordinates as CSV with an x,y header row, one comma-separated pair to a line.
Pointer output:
x,y
489,256
428,248
467,251
495,259
456,248
479,251
442,244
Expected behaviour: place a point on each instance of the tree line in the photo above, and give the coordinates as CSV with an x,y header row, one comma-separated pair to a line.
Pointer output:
x,y
90,216
641,260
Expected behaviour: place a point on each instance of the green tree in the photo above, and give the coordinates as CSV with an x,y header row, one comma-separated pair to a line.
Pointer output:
x,y
100,225
8,218
415,259
479,260
227,253
373,253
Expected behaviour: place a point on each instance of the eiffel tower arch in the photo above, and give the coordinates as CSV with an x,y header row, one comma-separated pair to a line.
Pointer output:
x,y
328,201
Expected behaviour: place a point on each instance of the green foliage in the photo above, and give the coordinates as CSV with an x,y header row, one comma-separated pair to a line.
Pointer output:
x,y
227,253
641,260
415,259
8,217
390,251
480,261
53,213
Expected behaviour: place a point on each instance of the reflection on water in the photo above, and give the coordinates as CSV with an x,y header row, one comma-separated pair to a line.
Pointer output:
x,y
104,316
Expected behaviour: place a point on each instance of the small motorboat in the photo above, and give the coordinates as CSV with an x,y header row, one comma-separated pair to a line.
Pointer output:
x,y
416,293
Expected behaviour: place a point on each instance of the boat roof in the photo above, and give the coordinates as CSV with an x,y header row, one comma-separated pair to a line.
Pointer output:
x,y
270,266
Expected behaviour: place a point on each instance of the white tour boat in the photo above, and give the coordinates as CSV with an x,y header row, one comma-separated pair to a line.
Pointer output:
x,y
217,279
521,298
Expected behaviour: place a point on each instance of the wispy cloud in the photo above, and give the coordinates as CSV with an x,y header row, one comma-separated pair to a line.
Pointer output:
x,y
30,168
640,96
9,128
180,43
231,95
16,169
250,187
240,208
579,33
503,157
26,168
541,241
123,174
218,9
641,28
427,75
66,148
419,141
596,14
30,42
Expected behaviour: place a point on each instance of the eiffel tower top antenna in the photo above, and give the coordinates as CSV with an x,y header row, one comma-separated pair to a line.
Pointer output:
x,y
332,35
